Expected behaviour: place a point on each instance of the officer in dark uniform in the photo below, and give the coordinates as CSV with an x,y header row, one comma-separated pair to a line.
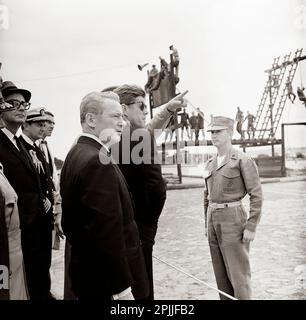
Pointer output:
x,y
32,130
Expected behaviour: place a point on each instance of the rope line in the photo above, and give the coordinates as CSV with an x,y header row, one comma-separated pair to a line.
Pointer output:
x,y
71,75
195,278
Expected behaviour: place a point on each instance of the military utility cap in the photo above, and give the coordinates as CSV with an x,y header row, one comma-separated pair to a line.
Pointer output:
x,y
221,123
37,114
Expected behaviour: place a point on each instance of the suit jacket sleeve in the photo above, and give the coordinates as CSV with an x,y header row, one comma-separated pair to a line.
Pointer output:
x,y
155,192
104,223
159,121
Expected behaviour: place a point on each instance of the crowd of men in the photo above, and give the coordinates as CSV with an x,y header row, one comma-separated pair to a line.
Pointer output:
x,y
109,210
29,169
113,230
193,125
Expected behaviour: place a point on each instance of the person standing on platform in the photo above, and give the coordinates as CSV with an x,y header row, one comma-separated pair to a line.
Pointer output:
x,y
193,126
200,125
239,119
184,123
250,127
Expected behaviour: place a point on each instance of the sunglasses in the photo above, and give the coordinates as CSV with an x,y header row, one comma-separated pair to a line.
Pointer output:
x,y
17,104
141,104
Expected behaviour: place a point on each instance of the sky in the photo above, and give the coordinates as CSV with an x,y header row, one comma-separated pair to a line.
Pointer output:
x,y
62,50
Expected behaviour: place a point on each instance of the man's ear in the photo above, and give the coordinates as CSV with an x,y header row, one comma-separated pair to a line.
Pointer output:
x,y
125,111
90,120
230,132
124,107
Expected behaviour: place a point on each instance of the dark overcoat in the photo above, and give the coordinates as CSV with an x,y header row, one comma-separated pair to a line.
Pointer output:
x,y
98,221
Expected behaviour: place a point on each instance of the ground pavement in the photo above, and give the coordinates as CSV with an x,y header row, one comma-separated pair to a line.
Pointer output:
x,y
278,253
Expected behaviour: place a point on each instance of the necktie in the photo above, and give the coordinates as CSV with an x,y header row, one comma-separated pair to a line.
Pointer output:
x,y
16,142
22,149
44,148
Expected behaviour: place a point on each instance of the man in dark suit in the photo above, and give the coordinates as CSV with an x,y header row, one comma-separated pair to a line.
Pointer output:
x,y
98,211
24,178
143,174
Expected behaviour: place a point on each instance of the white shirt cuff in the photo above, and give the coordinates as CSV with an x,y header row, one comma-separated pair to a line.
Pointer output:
x,y
121,294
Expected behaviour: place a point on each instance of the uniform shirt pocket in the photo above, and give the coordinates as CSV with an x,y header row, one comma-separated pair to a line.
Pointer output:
x,y
231,180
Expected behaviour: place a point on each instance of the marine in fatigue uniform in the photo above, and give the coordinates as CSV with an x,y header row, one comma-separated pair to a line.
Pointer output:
x,y
229,176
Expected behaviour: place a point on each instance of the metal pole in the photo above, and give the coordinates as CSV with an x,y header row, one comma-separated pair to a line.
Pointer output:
x,y
1,83
178,152
271,112
283,152
295,60
151,104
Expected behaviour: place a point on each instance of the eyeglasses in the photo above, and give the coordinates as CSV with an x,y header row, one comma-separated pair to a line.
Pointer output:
x,y
142,105
17,104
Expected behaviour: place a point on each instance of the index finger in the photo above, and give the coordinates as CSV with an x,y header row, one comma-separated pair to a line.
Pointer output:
x,y
181,95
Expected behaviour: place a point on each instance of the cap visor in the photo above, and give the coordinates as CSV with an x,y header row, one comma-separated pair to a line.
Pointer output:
x,y
215,128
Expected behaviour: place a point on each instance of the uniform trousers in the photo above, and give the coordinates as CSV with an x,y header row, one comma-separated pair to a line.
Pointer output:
x,y
230,256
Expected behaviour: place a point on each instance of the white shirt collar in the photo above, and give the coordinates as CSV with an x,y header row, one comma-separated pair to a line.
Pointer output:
x,y
27,139
8,133
92,136
10,136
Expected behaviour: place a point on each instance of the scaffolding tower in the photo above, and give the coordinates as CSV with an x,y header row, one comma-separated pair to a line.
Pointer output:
x,y
266,129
